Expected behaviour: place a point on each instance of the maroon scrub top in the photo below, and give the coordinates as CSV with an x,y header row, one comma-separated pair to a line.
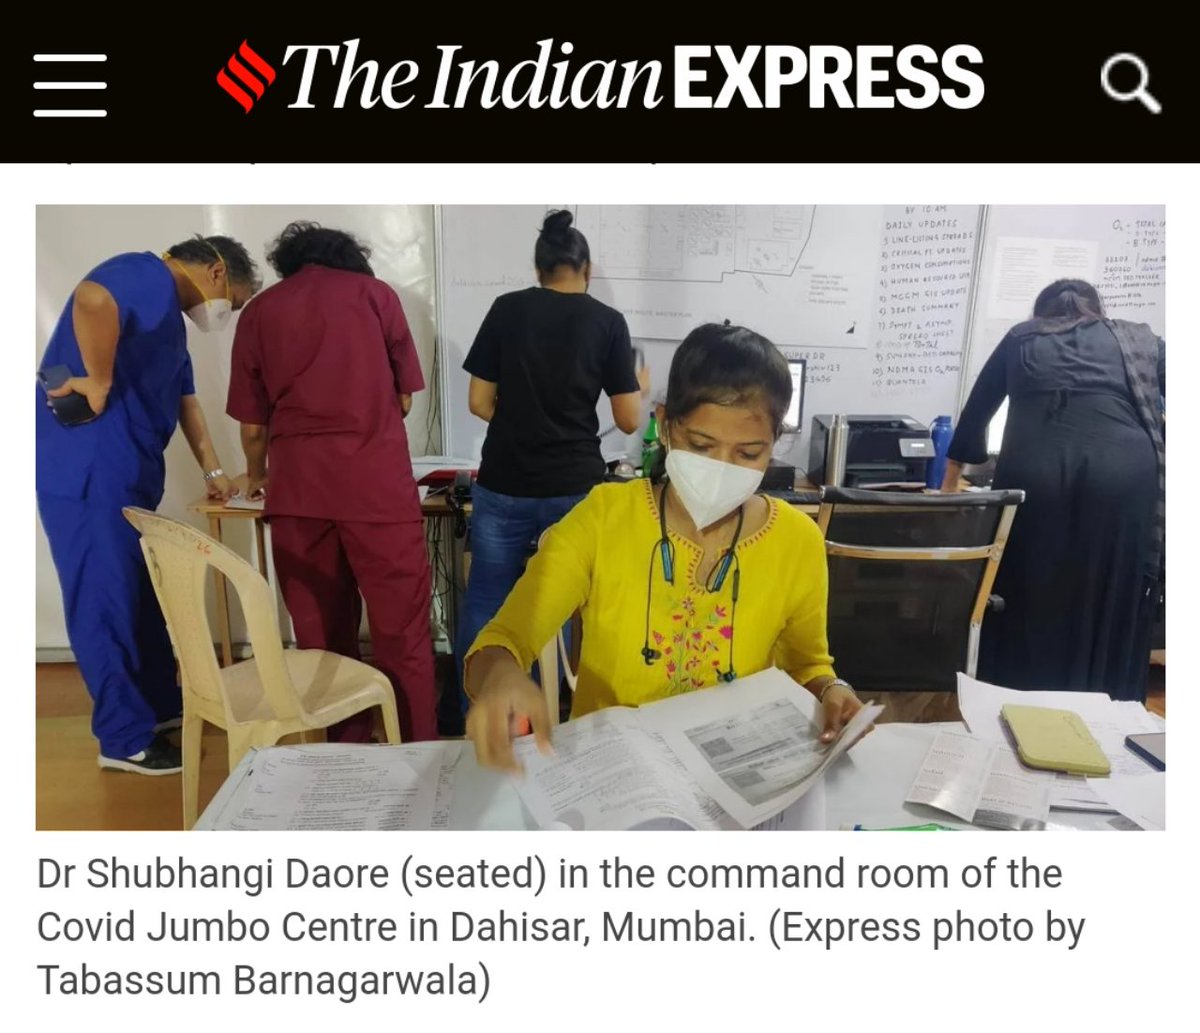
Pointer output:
x,y
319,358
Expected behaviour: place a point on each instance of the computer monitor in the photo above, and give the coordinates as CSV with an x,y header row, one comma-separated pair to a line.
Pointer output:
x,y
795,412
995,433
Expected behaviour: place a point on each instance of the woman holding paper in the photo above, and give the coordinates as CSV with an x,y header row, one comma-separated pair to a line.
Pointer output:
x,y
683,582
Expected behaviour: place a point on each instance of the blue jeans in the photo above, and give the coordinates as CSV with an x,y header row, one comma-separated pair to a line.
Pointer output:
x,y
504,533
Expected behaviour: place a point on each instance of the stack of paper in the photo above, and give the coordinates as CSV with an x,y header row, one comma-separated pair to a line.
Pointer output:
x,y
244,502
349,787
1108,721
981,782
1141,798
736,756
423,466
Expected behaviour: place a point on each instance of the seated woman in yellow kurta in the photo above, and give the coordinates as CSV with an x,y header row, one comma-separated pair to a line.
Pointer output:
x,y
682,583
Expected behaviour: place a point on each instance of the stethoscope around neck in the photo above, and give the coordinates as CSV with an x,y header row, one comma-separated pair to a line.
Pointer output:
x,y
664,550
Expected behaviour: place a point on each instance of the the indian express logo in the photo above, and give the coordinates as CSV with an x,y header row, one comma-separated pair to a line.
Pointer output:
x,y
914,76
246,76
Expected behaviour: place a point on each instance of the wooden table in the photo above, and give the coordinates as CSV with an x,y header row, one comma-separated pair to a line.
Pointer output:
x,y
433,507
216,512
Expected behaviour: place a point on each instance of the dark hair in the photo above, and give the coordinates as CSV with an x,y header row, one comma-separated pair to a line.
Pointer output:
x,y
201,250
307,243
1068,301
728,365
559,244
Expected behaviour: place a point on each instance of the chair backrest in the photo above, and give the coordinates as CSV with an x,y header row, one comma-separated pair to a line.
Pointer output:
x,y
180,559
909,581
548,675
554,665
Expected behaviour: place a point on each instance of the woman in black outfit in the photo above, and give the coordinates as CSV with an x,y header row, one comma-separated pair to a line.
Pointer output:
x,y
538,366
1084,439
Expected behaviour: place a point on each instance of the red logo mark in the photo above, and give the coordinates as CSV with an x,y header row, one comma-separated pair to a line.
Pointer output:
x,y
236,78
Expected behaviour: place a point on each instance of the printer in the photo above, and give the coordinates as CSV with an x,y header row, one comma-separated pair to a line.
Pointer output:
x,y
879,450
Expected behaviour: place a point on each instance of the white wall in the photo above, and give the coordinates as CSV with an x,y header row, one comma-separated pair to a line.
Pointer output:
x,y
71,240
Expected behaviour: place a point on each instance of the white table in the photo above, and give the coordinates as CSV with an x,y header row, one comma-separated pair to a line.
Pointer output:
x,y
866,787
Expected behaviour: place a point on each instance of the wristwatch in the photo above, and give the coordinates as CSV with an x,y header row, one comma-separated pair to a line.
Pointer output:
x,y
212,475
830,685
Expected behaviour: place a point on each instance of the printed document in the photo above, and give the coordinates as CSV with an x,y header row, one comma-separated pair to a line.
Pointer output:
x,y
1108,721
346,787
981,782
734,756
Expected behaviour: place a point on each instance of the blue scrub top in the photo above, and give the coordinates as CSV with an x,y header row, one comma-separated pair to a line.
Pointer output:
x,y
123,449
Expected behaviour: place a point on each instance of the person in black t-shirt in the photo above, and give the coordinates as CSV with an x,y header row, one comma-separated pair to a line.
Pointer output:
x,y
538,365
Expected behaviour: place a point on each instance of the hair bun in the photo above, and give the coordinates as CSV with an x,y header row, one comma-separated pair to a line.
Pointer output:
x,y
557,223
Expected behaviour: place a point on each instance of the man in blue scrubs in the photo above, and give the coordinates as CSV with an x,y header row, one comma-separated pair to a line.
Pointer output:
x,y
123,337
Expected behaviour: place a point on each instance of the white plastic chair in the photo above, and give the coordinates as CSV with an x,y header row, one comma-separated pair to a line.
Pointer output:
x,y
550,674
258,701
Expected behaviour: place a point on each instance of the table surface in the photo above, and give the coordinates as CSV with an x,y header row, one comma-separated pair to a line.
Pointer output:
x,y
213,507
865,787
433,505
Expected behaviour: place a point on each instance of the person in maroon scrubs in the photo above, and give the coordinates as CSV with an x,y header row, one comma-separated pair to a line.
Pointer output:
x,y
323,373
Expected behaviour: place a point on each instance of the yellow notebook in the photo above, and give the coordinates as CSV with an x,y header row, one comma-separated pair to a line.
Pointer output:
x,y
1056,740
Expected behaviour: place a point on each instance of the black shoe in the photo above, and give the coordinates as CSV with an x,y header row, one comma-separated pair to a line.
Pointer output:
x,y
159,758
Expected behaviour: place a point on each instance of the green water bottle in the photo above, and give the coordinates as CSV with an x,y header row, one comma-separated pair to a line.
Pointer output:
x,y
650,447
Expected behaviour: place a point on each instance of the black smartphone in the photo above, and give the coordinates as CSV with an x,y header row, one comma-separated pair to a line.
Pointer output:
x,y
1151,747
72,409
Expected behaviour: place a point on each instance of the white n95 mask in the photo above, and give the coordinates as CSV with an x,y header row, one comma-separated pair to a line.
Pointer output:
x,y
211,315
708,488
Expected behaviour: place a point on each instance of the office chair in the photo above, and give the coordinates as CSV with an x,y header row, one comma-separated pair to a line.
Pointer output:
x,y
910,580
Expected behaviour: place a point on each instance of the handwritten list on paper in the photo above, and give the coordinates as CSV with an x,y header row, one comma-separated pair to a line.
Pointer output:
x,y
1133,273
924,286
823,366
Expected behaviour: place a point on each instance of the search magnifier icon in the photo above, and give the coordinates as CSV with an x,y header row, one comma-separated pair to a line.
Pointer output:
x,y
1139,92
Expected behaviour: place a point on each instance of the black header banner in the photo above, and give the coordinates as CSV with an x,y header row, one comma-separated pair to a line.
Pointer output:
x,y
1011,88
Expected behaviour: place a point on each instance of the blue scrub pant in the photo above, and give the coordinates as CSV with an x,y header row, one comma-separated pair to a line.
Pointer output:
x,y
114,622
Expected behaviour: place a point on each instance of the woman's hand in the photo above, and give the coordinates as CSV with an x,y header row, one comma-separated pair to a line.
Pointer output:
x,y
840,705
507,705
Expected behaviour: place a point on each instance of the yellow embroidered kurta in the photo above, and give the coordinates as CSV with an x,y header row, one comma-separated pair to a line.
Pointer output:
x,y
596,559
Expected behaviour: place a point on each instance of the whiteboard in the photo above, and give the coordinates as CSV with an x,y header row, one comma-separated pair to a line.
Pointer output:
x,y
874,298
1121,249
